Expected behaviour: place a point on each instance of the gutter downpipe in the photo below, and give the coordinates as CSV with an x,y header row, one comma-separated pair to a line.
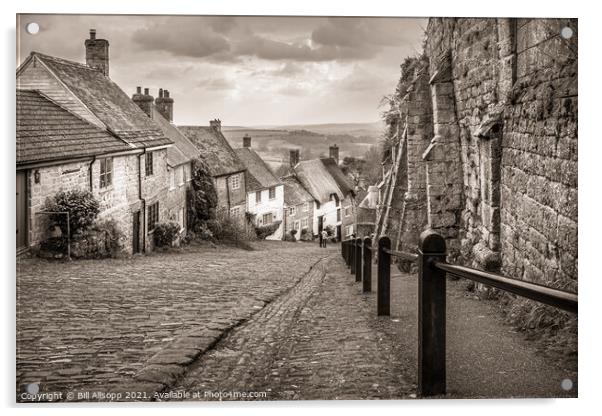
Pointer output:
x,y
143,200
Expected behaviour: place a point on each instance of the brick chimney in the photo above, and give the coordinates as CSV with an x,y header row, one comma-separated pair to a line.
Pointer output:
x,y
334,153
164,105
97,53
216,124
294,157
246,141
144,101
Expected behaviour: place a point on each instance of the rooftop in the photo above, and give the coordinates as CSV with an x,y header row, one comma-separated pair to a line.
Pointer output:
x,y
259,175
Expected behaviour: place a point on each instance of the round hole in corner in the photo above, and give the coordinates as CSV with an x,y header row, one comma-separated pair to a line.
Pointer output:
x,y
566,32
32,28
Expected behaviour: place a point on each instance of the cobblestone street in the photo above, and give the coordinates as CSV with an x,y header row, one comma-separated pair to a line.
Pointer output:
x,y
133,324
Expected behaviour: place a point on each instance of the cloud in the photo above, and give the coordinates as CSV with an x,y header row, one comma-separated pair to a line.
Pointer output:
x,y
215,84
191,40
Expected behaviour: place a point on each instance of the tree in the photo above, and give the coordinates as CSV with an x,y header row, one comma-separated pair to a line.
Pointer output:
x,y
202,195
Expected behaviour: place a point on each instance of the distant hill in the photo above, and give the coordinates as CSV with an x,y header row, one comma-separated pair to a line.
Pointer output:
x,y
273,143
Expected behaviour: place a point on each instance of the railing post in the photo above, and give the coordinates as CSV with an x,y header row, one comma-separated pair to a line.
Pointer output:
x,y
367,272
358,259
383,297
431,315
352,255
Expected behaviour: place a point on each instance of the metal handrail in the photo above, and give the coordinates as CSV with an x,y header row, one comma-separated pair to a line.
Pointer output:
x,y
402,255
540,293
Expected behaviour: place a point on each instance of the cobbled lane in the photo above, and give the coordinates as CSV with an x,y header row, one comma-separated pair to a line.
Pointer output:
x,y
134,324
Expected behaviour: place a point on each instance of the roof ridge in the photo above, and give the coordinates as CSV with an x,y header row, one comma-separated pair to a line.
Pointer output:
x,y
63,61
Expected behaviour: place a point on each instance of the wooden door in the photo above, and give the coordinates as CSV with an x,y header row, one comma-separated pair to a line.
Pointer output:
x,y
136,232
22,210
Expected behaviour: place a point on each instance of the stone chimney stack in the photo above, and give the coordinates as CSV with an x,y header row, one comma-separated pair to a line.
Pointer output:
x,y
164,104
216,124
246,141
144,101
97,53
294,157
334,153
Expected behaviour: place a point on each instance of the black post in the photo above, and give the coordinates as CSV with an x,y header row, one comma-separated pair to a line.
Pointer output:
x,y
358,259
367,273
383,298
352,256
431,315
344,248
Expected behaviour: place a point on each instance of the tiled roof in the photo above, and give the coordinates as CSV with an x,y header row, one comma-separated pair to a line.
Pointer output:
x,y
182,151
106,101
214,148
294,192
322,178
259,175
47,132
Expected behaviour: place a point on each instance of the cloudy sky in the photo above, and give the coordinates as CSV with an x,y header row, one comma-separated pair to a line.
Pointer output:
x,y
245,70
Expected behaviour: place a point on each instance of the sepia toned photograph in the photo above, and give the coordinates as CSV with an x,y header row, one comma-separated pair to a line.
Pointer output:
x,y
287,208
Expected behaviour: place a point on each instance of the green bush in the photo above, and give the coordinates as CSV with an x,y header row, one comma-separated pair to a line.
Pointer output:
x,y
264,231
166,233
82,207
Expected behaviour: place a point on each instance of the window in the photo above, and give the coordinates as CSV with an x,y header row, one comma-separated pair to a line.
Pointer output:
x,y
296,225
153,216
306,207
272,193
180,174
186,173
148,163
181,219
258,197
339,214
172,179
305,223
347,211
106,172
235,212
267,218
292,211
235,181
348,230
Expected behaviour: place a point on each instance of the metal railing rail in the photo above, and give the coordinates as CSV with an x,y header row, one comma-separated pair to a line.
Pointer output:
x,y
432,270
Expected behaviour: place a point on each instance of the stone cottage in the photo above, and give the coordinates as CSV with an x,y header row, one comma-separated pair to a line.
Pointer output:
x,y
179,155
132,185
486,138
225,167
332,192
265,193
298,209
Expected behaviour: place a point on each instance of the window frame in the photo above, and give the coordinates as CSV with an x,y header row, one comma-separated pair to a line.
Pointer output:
x,y
172,179
106,175
153,216
292,211
257,197
306,221
235,212
272,193
306,206
270,216
235,182
148,164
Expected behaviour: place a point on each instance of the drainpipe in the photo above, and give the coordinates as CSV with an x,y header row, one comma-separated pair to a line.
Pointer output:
x,y
143,200
90,174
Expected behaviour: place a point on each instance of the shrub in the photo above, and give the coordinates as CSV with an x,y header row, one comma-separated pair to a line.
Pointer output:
x,y
264,231
82,207
290,236
166,233
201,197
113,236
229,229
306,235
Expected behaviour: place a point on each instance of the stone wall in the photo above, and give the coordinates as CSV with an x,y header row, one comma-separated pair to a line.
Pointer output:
x,y
500,164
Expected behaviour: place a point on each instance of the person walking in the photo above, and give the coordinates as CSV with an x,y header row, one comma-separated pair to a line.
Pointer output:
x,y
320,238
324,238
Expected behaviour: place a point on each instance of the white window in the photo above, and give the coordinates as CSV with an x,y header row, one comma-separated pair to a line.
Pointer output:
x,y
172,179
348,230
306,207
347,211
235,181
181,219
258,197
292,211
304,223
187,173
180,175
272,193
268,218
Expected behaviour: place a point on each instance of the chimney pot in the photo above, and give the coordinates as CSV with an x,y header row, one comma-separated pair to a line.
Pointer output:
x,y
92,34
160,92
97,53
294,157
146,91
138,90
166,93
334,153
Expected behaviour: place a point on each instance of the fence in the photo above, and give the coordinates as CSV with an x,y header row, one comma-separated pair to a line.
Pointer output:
x,y
432,270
